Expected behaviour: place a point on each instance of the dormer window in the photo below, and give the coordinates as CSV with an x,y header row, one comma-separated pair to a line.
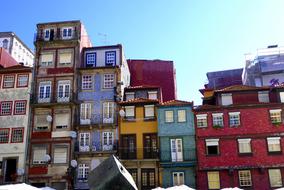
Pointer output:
x,y
263,96
91,59
152,95
110,57
67,33
226,99
129,95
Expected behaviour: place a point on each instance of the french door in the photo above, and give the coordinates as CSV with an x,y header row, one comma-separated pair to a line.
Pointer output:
x,y
176,150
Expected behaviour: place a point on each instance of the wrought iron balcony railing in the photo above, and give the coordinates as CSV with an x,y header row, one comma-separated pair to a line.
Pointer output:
x,y
60,97
95,147
131,153
96,119
55,36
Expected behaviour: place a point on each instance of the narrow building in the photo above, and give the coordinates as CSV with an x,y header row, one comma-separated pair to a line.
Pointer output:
x,y
138,143
102,77
54,103
239,137
177,143
15,87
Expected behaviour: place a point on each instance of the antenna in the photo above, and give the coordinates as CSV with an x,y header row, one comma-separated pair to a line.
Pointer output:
x,y
104,41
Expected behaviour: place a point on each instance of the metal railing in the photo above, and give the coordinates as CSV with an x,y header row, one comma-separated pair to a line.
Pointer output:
x,y
96,119
57,35
95,147
50,98
184,155
131,153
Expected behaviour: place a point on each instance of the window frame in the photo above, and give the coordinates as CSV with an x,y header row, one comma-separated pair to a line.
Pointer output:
x,y
169,121
230,101
67,32
263,96
273,139
41,162
86,113
106,58
178,117
215,173
234,114
150,93
95,59
250,178
272,117
25,107
183,178
8,135
201,117
240,141
269,177
47,65
147,117
64,64
85,169
105,82
89,82
134,112
12,133
60,147
8,75
215,115
18,76
212,142
129,93
11,108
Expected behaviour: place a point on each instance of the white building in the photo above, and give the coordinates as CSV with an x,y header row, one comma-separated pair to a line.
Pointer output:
x,y
16,48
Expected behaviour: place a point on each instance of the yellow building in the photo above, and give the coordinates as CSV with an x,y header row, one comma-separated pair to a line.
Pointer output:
x,y
138,141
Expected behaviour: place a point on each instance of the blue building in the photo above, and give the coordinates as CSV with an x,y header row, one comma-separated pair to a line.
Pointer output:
x,y
177,143
102,78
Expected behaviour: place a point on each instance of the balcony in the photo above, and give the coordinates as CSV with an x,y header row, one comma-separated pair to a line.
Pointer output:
x,y
131,153
185,157
47,98
98,119
56,36
96,147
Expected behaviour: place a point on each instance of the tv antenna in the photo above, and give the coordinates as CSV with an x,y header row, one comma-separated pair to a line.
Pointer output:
x,y
104,41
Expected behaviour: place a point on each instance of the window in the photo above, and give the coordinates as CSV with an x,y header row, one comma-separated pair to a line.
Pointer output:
x,y
6,108
17,135
46,60
148,178
129,95
22,80
181,116
263,96
20,107
46,34
212,146
5,44
61,120
107,140
129,111
201,120
65,58
91,59
60,155
9,81
169,116
85,113
67,33
176,150
108,80
108,112
274,144
149,111
110,58
87,82
226,99
281,97
213,180
152,95
134,174
218,119
4,135
41,123
245,178
84,142
178,178
275,116
150,146
275,177
44,92
83,172
63,93
234,119
244,146
39,153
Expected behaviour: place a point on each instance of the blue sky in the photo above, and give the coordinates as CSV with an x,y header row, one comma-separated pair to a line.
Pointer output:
x,y
199,36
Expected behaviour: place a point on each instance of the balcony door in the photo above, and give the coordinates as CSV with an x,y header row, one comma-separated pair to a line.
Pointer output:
x,y
44,92
63,94
84,142
107,140
128,149
150,145
176,150
108,109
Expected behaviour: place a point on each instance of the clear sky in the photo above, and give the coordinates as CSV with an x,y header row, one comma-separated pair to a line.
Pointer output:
x,y
199,36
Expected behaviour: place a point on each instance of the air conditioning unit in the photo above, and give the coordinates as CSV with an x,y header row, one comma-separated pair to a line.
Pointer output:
x,y
85,121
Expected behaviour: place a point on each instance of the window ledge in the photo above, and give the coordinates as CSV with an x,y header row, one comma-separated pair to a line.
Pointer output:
x,y
275,153
245,154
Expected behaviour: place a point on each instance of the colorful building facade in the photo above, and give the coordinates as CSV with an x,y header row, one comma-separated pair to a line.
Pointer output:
x,y
239,137
54,103
177,143
138,143
103,76
15,87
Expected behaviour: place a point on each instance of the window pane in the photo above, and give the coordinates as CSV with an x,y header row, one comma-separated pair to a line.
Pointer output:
x,y
245,178
60,155
169,115
17,135
4,135
22,80
275,177
213,180
181,115
108,80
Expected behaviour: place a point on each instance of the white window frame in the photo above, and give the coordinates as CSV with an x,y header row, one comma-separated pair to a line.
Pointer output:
x,y
218,119
85,113
45,36
180,178
108,112
212,142
176,150
129,95
263,96
87,82
234,119
213,184
109,80
245,178
107,140
57,157
275,116
281,94
69,33
48,58
44,96
153,95
129,111
63,91
226,99
84,142
169,116
180,118
244,146
201,120
274,144
275,177
62,124
83,172
39,159
91,58
149,111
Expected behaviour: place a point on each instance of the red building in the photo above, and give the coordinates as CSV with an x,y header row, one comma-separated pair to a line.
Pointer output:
x,y
155,73
239,138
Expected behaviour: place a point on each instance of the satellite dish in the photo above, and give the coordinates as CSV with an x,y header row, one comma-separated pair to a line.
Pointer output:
x,y
49,118
20,171
73,134
47,158
74,163
122,113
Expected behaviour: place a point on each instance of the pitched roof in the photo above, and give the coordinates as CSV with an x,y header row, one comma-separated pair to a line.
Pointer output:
x,y
142,87
138,100
242,88
175,103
